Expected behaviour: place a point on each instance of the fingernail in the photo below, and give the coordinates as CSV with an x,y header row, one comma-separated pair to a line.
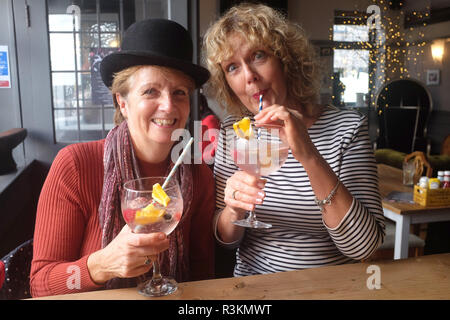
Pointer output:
x,y
261,184
161,236
258,200
261,195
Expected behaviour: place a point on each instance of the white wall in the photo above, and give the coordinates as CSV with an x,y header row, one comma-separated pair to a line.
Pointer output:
x,y
317,17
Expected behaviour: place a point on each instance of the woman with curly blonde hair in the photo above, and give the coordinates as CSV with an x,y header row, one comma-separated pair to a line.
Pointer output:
x,y
264,27
323,203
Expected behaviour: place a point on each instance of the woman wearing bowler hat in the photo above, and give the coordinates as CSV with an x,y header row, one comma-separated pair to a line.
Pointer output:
x,y
81,241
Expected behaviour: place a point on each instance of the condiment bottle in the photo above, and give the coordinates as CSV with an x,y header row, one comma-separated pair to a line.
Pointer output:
x,y
433,183
446,183
423,182
440,176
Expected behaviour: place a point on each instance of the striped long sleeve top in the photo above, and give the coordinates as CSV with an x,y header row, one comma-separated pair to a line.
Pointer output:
x,y
299,238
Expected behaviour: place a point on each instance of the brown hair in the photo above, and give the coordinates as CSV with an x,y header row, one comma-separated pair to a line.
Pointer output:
x,y
261,25
121,85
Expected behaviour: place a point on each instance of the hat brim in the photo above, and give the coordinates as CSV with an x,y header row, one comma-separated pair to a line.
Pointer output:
x,y
118,61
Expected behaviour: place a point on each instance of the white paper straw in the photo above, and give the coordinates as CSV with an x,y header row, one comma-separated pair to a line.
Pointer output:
x,y
260,108
179,160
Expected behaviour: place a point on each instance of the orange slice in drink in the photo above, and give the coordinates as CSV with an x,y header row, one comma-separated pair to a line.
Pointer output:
x,y
265,156
149,214
265,162
243,128
159,195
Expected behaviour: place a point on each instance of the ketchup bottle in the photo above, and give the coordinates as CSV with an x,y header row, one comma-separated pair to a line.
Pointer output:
x,y
446,183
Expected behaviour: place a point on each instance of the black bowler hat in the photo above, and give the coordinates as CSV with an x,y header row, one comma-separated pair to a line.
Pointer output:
x,y
154,42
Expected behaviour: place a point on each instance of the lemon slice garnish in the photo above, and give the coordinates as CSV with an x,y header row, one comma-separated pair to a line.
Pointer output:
x,y
151,214
159,195
243,128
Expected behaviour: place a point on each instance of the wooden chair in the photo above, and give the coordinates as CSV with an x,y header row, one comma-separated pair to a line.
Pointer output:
x,y
417,235
420,162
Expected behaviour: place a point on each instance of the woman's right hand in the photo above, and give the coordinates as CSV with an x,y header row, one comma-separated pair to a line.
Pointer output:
x,y
125,255
243,191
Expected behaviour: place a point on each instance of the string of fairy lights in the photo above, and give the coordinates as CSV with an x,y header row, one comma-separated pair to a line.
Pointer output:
x,y
393,49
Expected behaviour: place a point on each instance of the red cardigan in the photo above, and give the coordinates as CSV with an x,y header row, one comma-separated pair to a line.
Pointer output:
x,y
67,228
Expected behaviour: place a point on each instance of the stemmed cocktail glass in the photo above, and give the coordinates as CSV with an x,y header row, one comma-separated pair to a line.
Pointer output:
x,y
260,156
137,195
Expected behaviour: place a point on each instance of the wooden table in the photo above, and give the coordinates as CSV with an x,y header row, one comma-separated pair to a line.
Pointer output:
x,y
404,214
425,277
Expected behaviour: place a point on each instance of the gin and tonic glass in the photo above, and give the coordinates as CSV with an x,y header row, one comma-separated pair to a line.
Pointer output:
x,y
136,195
260,155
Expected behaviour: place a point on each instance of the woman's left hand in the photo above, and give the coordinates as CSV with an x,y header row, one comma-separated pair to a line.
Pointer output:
x,y
295,131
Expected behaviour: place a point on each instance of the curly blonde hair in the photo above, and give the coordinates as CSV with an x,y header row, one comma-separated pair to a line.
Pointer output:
x,y
263,26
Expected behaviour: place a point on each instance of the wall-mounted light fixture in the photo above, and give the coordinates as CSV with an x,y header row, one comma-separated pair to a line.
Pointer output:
x,y
437,49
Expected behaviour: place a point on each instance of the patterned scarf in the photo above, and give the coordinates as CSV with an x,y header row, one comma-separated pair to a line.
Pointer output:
x,y
120,165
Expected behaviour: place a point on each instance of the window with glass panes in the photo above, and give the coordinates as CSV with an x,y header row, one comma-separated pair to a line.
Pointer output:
x,y
352,62
81,33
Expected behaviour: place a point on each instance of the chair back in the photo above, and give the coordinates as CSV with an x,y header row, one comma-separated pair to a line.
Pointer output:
x,y
403,109
422,166
17,266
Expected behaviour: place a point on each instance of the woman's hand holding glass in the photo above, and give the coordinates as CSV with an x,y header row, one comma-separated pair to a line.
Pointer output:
x,y
125,255
243,191
148,209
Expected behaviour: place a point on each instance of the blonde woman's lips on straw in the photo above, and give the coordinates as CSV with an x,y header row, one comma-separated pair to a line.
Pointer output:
x,y
259,93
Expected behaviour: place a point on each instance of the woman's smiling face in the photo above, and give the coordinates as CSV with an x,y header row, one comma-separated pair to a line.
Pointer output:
x,y
156,105
251,72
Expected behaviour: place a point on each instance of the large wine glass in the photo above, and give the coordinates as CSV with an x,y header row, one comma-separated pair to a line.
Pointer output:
x,y
260,155
137,195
